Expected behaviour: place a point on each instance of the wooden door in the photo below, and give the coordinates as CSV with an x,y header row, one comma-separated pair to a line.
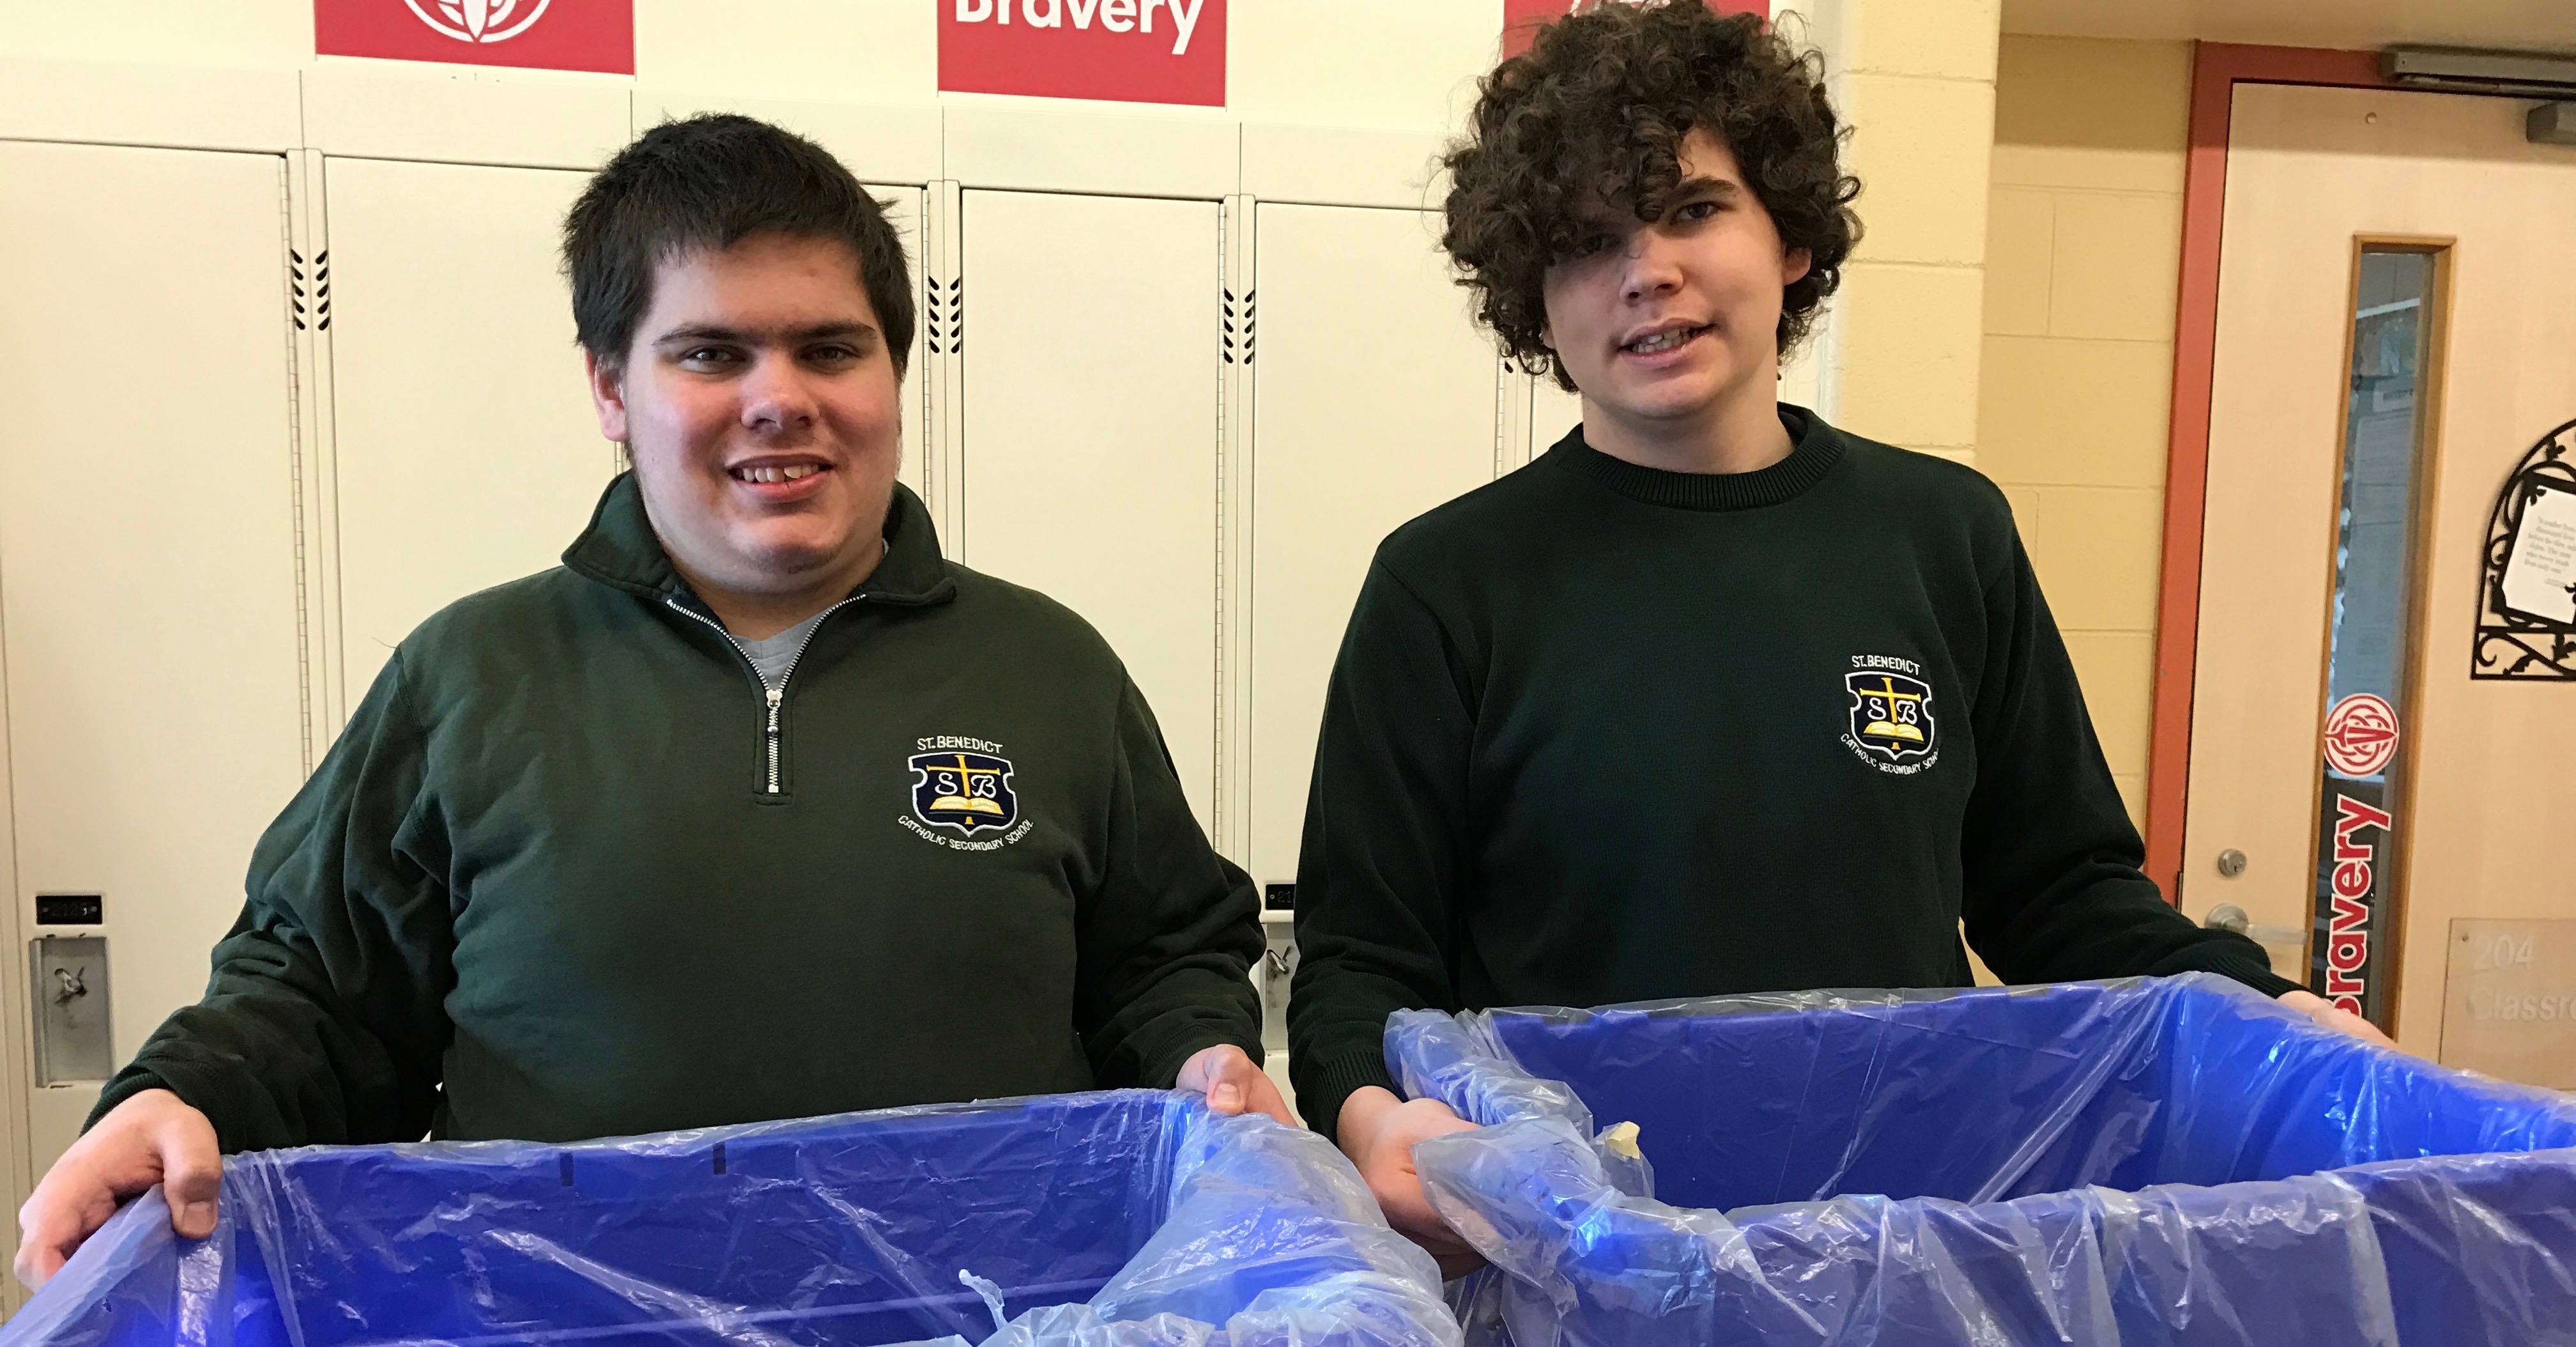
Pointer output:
x,y
2395,273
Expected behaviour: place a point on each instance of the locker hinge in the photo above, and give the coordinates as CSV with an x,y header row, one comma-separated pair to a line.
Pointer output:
x,y
296,504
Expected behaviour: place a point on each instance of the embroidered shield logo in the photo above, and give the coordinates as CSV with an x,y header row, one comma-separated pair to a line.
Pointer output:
x,y
1891,714
966,791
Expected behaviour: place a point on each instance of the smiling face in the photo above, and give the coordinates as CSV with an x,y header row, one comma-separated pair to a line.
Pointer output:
x,y
1666,324
761,409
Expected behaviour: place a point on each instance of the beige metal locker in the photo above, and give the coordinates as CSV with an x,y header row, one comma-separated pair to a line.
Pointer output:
x,y
468,453
147,555
1091,341
1375,399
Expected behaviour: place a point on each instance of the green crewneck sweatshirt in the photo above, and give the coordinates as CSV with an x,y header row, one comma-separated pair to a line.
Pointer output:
x,y
1600,733
572,870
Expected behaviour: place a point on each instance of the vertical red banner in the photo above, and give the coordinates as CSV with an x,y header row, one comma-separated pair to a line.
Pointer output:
x,y
2349,960
536,34
2348,957
1138,51
1523,18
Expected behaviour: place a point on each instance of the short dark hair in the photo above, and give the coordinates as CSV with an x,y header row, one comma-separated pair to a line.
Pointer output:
x,y
1596,110
711,182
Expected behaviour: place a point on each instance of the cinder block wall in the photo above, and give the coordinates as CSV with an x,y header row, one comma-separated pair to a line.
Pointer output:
x,y
1915,79
2083,239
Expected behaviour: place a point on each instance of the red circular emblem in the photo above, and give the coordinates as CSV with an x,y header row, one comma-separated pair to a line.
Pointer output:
x,y
2361,735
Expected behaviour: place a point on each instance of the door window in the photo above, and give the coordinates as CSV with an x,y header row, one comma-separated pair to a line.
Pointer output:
x,y
2395,296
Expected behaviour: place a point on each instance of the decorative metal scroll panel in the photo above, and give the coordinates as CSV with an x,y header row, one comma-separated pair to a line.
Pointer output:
x,y
2512,644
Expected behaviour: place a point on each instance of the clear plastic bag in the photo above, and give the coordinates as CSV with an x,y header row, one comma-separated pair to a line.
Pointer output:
x,y
2147,1161
1121,1219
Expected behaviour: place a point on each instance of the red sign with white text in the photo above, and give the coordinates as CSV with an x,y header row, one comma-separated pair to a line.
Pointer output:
x,y
1523,18
1137,51
2353,840
542,34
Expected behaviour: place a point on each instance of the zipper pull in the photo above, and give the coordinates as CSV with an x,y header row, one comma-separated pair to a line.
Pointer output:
x,y
770,742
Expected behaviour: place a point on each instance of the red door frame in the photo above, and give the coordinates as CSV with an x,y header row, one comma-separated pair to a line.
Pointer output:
x,y
2217,68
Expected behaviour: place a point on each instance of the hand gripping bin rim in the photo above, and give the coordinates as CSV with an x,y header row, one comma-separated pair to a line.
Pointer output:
x,y
1184,1228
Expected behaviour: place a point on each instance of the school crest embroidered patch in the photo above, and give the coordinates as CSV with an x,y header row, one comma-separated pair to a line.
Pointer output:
x,y
969,792
1893,727
961,787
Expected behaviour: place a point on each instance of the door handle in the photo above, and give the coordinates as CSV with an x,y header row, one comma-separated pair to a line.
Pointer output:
x,y
2230,917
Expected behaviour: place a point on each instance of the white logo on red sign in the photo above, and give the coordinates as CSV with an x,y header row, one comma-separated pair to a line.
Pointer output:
x,y
2361,735
477,20
1114,16
1135,51
2352,895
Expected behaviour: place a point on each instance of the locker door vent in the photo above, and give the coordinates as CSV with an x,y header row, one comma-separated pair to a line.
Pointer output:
x,y
948,316
1240,315
312,288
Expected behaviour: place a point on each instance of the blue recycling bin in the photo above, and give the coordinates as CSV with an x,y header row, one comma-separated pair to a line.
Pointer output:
x,y
2165,1161
1113,1219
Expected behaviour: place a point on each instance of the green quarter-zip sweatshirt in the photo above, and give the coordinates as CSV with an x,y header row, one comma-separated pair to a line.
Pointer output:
x,y
572,871
1600,733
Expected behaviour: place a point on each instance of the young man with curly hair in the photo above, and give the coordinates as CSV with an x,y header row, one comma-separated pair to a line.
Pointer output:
x,y
1712,697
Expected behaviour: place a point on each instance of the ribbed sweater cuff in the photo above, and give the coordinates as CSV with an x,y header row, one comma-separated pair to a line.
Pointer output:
x,y
2253,974
128,1083
1159,1063
1335,1079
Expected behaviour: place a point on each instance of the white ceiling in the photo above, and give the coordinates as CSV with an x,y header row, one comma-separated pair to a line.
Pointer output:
x,y
2518,24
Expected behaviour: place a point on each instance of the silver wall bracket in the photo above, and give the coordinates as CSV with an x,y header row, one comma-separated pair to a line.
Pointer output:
x,y
75,1040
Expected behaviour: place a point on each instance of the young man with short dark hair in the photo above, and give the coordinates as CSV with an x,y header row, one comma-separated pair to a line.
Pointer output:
x,y
752,809
1712,697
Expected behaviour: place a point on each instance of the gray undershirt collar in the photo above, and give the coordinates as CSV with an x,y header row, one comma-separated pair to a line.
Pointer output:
x,y
772,657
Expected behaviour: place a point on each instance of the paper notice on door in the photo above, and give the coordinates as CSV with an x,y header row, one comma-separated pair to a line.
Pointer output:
x,y
2540,575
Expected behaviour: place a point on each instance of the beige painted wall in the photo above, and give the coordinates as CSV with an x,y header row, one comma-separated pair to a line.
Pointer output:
x,y
1900,351
2082,245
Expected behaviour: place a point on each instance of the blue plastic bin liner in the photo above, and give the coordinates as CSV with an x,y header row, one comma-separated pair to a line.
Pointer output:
x,y
1121,1219
2152,1161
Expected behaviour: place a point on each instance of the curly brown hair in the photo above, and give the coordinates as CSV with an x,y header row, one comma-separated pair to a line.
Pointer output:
x,y
1596,111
